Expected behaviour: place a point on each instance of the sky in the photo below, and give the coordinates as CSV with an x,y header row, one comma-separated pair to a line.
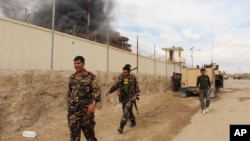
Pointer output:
x,y
219,30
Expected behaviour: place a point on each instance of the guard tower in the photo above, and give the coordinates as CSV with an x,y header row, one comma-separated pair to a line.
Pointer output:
x,y
174,60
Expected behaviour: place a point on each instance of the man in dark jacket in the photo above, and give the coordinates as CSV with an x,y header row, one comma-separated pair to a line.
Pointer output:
x,y
203,86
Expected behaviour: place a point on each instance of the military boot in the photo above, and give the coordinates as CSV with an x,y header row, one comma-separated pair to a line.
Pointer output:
x,y
133,124
120,129
92,139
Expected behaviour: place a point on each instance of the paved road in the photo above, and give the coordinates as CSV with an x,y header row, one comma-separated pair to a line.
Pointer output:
x,y
232,106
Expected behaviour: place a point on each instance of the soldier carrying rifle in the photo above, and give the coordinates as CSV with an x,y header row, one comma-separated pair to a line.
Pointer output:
x,y
176,81
129,92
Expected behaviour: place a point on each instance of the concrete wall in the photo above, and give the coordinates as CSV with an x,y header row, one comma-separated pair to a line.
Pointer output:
x,y
28,47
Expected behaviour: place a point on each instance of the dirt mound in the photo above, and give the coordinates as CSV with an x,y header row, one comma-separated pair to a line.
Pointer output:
x,y
26,96
36,98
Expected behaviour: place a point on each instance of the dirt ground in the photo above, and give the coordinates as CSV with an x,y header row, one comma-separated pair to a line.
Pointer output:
x,y
162,117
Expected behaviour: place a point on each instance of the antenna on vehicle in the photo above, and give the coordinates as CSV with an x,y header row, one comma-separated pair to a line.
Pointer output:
x,y
239,69
212,36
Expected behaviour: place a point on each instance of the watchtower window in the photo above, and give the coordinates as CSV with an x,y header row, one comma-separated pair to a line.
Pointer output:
x,y
171,55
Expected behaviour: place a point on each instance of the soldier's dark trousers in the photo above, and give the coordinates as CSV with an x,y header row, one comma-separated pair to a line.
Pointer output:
x,y
78,124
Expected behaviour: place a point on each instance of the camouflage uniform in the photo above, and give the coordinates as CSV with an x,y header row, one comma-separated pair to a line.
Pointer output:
x,y
128,89
83,91
131,117
176,81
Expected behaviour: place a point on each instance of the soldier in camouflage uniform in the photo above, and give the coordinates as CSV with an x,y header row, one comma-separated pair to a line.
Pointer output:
x,y
173,82
129,90
131,117
176,81
83,94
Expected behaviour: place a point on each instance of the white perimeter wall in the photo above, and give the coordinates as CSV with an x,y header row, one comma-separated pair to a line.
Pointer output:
x,y
28,47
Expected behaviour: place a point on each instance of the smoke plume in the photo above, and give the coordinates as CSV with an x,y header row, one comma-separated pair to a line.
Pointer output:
x,y
14,9
71,16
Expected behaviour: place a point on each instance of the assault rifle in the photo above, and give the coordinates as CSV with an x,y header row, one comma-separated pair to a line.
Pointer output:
x,y
135,68
137,96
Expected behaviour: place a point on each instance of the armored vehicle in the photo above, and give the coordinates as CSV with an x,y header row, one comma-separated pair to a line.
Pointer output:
x,y
237,76
189,78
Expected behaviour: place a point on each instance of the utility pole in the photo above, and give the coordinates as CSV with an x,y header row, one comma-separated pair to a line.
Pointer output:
x,y
108,47
52,38
166,64
192,55
192,48
137,55
154,61
180,61
212,37
26,15
88,19
174,59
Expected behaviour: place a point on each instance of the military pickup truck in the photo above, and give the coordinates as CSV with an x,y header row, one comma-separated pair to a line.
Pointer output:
x,y
189,78
237,76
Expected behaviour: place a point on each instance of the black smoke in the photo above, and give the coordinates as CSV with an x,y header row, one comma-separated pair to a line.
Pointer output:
x,y
71,16
14,9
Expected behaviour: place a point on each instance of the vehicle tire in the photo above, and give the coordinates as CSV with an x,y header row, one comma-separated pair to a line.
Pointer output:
x,y
183,93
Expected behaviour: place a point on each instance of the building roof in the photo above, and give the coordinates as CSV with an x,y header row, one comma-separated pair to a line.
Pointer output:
x,y
173,48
